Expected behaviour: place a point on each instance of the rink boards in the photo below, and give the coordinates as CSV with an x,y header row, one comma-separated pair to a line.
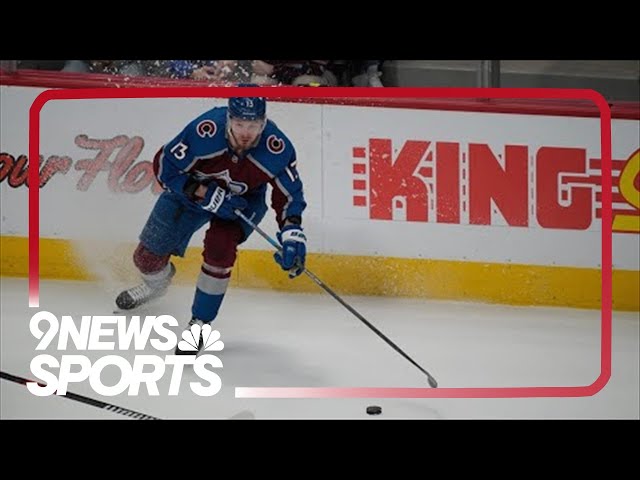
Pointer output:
x,y
467,205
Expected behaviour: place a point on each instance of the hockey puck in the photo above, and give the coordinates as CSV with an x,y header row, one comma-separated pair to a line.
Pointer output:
x,y
374,410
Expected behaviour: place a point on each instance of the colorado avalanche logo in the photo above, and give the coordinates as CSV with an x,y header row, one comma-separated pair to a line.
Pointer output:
x,y
239,188
206,128
275,145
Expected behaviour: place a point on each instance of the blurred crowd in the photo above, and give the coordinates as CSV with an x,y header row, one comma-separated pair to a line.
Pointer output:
x,y
359,73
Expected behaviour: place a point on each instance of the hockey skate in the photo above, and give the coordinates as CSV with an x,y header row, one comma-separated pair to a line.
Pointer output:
x,y
145,292
191,345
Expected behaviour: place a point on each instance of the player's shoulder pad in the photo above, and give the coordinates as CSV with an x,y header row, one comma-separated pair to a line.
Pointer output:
x,y
206,133
274,151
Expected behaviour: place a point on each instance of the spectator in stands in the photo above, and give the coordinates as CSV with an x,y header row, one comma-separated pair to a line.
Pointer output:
x,y
214,71
367,73
292,72
131,68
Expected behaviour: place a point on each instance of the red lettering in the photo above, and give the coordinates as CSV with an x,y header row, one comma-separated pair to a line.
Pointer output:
x,y
507,186
577,214
53,165
6,164
138,178
19,172
124,174
395,189
448,182
124,159
93,166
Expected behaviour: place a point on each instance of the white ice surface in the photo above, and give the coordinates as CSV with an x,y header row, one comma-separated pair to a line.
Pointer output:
x,y
275,339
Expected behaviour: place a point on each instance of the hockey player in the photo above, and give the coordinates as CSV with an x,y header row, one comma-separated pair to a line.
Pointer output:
x,y
221,162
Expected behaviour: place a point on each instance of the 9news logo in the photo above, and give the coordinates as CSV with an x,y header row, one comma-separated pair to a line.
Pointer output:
x,y
101,333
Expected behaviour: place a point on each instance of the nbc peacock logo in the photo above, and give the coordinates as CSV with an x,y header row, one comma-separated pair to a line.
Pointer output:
x,y
129,335
201,338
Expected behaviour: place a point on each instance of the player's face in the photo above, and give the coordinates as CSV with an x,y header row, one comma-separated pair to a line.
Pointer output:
x,y
245,132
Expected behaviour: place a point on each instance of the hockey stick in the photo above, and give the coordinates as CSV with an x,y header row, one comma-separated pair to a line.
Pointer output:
x,y
321,284
242,415
85,400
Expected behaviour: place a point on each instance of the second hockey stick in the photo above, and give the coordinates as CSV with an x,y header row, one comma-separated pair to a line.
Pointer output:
x,y
86,400
321,284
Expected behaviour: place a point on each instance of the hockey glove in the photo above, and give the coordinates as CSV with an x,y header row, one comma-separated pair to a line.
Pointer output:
x,y
221,203
294,250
